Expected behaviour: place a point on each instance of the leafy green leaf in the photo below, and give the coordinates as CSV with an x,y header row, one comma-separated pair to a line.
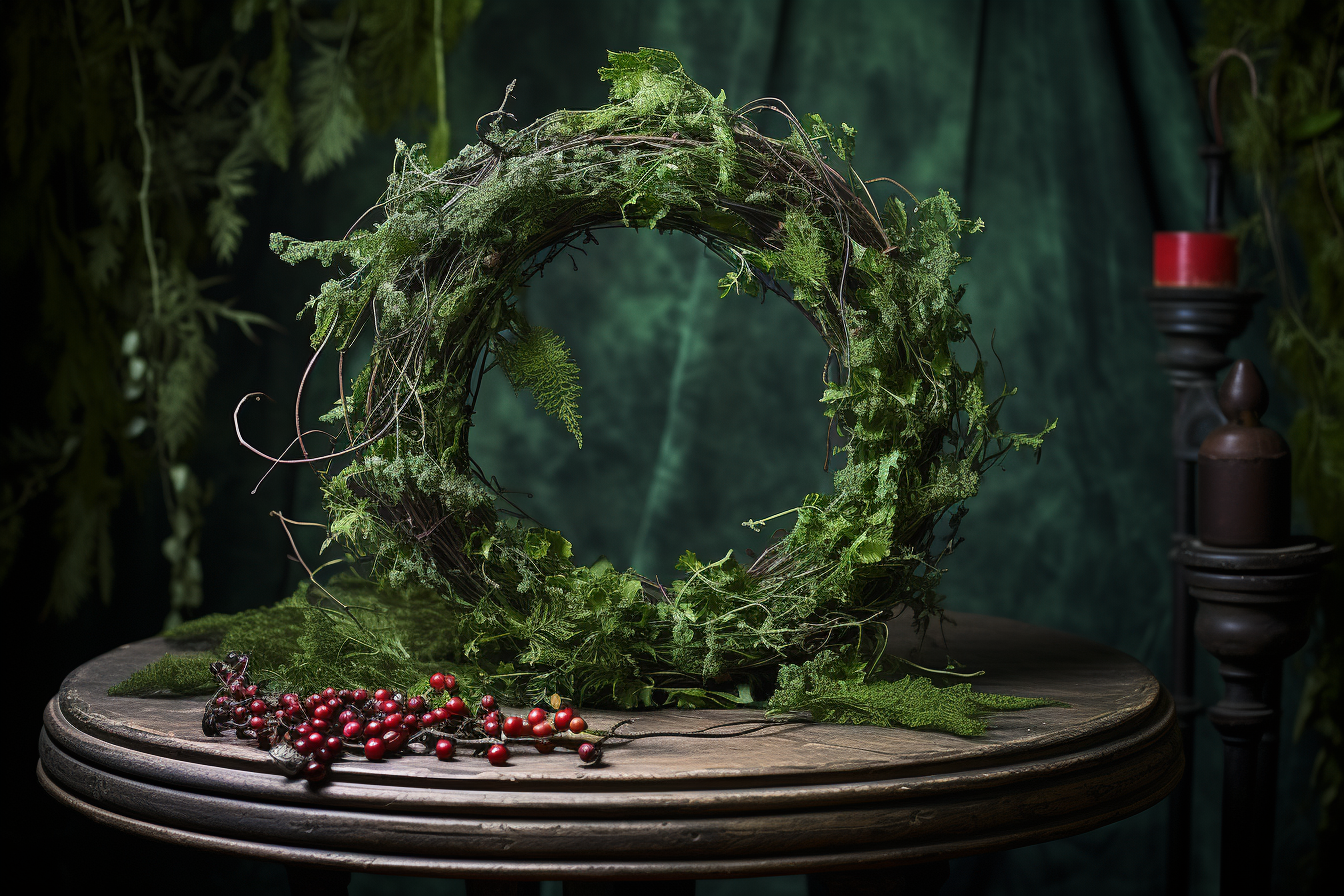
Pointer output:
x,y
330,120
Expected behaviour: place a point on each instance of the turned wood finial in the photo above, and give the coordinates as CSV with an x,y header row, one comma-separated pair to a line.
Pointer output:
x,y
1245,471
1243,396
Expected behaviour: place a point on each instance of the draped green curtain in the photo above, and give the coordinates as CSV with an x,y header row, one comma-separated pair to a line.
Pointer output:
x,y
1070,128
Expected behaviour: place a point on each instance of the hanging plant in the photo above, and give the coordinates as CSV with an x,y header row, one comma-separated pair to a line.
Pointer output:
x,y
134,131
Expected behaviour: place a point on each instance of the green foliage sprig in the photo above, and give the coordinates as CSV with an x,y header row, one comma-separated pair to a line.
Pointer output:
x,y
436,282
1290,140
134,130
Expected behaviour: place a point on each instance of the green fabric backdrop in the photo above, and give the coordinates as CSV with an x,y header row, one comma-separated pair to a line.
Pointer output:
x,y
1071,128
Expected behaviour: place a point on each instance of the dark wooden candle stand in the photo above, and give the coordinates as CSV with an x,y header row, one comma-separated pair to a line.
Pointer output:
x,y
1197,325
1255,610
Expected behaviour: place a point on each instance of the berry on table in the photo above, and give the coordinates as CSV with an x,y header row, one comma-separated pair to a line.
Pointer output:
x,y
444,749
589,753
498,754
374,748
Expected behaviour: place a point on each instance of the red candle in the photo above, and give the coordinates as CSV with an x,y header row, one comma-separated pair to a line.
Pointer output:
x,y
1195,259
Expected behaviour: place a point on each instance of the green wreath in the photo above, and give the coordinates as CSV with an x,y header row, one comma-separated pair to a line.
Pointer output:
x,y
436,282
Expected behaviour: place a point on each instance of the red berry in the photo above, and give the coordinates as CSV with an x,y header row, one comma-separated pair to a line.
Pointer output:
x,y
488,702
352,729
498,754
347,717
303,746
389,706
251,690
514,726
562,717
449,682
334,703
589,752
428,719
239,713
320,724
324,754
359,695
393,739
328,693
444,749
335,745
289,699
392,720
438,683
374,749
415,704
316,739
256,723
456,707
373,728
382,694
221,700
491,728
536,716
303,729
314,771
440,714
322,712
257,706
542,729
578,725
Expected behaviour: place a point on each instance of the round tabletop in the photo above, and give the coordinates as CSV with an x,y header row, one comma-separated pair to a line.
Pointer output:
x,y
787,800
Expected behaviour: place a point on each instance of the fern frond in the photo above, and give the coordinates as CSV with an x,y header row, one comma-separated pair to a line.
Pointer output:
x,y
329,117
539,360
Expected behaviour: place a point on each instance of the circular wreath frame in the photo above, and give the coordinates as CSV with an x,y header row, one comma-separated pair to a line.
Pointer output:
x,y
436,281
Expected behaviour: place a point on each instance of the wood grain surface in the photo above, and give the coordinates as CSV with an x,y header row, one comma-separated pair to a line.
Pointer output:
x,y
788,800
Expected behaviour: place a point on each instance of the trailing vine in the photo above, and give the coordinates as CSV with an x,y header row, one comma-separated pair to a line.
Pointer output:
x,y
134,132
1290,140
436,282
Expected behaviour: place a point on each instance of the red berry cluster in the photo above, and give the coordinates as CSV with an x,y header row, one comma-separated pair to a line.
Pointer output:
x,y
319,727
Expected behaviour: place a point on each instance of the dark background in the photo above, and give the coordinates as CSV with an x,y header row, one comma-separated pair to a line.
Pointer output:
x,y
1070,128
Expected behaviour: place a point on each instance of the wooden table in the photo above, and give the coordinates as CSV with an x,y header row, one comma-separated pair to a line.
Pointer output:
x,y
804,799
